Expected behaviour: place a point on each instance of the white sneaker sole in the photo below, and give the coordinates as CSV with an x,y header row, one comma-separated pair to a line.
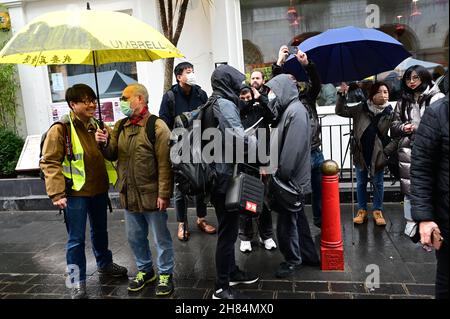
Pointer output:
x,y
249,282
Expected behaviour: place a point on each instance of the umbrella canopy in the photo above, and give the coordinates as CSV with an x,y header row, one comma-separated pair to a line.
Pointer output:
x,y
402,67
72,37
349,54
86,37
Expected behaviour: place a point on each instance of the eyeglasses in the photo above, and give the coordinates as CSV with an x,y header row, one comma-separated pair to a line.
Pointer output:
x,y
124,98
414,78
89,102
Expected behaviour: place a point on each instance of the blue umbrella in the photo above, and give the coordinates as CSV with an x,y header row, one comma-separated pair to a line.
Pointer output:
x,y
348,54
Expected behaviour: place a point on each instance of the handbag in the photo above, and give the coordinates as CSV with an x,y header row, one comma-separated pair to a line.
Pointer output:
x,y
245,194
284,197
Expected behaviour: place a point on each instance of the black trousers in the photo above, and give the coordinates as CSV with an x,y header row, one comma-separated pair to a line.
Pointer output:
x,y
227,233
442,272
263,221
294,239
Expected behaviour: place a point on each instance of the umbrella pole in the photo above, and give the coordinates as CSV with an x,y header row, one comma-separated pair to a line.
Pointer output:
x,y
96,88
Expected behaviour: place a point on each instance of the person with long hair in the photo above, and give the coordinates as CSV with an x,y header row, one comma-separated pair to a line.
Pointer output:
x,y
371,122
418,93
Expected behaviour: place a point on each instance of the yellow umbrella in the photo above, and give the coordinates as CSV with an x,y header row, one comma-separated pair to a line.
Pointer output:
x,y
86,37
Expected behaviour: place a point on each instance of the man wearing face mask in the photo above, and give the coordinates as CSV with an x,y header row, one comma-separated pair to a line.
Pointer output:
x,y
308,93
145,185
251,112
185,96
226,82
293,233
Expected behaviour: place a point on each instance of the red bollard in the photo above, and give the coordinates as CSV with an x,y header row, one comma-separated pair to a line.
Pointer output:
x,y
331,245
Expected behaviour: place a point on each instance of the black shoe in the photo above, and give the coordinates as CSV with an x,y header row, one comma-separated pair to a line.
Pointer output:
x,y
165,285
228,293
314,263
141,279
113,270
79,291
242,277
285,270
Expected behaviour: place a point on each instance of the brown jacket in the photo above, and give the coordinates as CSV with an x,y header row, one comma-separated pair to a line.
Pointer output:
x,y
362,118
53,152
144,170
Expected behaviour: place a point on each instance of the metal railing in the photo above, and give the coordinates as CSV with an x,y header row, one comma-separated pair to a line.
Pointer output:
x,y
336,146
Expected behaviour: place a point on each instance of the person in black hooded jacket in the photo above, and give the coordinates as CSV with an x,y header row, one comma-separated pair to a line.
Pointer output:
x,y
226,82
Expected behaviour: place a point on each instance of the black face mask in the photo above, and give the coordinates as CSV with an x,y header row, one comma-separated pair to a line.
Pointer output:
x,y
244,106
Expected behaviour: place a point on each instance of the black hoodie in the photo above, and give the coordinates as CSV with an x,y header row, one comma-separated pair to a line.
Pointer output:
x,y
226,82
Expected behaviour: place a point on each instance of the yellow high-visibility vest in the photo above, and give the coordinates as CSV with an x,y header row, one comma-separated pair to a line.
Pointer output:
x,y
75,169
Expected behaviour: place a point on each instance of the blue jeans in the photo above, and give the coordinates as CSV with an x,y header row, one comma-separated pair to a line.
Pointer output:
x,y
181,201
361,189
316,185
137,225
76,213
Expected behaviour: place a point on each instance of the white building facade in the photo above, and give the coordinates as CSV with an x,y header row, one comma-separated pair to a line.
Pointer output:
x,y
211,34
246,34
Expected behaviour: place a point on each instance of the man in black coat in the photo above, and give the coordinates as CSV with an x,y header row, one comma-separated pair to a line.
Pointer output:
x,y
430,185
185,96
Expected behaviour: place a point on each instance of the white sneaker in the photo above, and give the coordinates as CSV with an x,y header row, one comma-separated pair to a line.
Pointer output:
x,y
409,227
246,246
269,244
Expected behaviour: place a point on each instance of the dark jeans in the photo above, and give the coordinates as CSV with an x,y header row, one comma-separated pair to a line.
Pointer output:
x,y
316,185
226,238
77,211
181,205
263,221
294,239
442,272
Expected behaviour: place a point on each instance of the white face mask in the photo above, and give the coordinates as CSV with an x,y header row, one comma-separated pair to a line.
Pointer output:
x,y
271,96
190,79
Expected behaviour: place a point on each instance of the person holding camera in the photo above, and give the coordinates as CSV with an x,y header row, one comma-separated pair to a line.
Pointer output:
x,y
77,179
371,122
308,93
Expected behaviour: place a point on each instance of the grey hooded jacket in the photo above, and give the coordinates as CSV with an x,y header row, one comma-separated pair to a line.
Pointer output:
x,y
294,134
226,82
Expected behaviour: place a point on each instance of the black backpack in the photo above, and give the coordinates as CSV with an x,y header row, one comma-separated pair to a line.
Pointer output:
x,y
150,128
193,178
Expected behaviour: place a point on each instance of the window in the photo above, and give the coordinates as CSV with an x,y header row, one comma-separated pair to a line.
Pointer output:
x,y
421,26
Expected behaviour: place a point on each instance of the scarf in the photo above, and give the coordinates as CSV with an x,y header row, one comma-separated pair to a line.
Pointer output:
x,y
376,109
139,117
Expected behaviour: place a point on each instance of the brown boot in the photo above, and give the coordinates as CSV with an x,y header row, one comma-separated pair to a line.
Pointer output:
x,y
361,216
378,217
205,227
183,234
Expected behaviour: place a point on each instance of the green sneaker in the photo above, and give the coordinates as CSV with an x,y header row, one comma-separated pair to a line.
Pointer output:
x,y
165,285
141,279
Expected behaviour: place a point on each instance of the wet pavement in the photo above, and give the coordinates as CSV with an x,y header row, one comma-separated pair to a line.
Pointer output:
x,y
32,261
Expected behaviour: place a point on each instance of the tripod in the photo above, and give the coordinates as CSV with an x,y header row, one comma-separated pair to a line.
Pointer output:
x,y
351,141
